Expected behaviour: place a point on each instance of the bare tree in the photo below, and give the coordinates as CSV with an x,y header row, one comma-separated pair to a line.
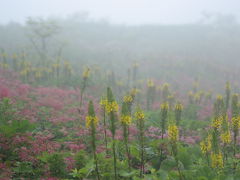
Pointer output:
x,y
41,31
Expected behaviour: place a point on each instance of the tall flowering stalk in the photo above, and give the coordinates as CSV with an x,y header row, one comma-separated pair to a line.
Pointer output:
x,y
103,104
225,135
112,108
85,76
151,89
173,136
228,94
134,75
219,108
165,92
128,100
139,115
164,115
191,97
217,123
235,128
126,121
178,113
91,124
235,120
206,146
217,160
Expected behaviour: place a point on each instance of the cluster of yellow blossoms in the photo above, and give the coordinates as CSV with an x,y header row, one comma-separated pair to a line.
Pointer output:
x,y
165,86
217,122
134,91
103,102
111,107
90,120
226,137
206,145
139,115
173,133
150,83
219,97
164,106
217,160
236,122
86,73
128,99
179,106
126,119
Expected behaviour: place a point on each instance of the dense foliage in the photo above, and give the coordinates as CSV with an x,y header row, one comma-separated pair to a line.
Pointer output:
x,y
64,119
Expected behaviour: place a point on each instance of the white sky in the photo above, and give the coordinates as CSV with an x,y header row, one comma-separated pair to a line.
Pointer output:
x,y
119,11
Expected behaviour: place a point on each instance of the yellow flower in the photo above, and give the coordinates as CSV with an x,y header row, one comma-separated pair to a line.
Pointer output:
x,y
217,160
236,122
217,122
120,83
134,91
173,133
219,97
128,99
103,102
126,119
112,107
164,106
38,74
90,120
165,86
86,73
139,115
226,137
206,145
179,107
228,87
150,83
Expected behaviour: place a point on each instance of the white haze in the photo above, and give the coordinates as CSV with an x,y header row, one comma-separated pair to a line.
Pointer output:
x,y
120,11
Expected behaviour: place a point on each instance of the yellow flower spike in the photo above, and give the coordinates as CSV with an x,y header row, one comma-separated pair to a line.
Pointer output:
x,y
120,83
217,122
134,91
206,145
112,107
90,120
179,107
217,160
139,115
86,73
126,119
165,86
150,83
226,137
103,102
236,122
173,133
203,147
128,99
164,106
219,97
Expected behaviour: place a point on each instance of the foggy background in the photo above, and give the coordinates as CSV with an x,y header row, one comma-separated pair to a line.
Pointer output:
x,y
121,11
170,39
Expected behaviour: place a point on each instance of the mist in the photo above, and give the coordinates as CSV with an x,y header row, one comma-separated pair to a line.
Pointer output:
x,y
120,89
